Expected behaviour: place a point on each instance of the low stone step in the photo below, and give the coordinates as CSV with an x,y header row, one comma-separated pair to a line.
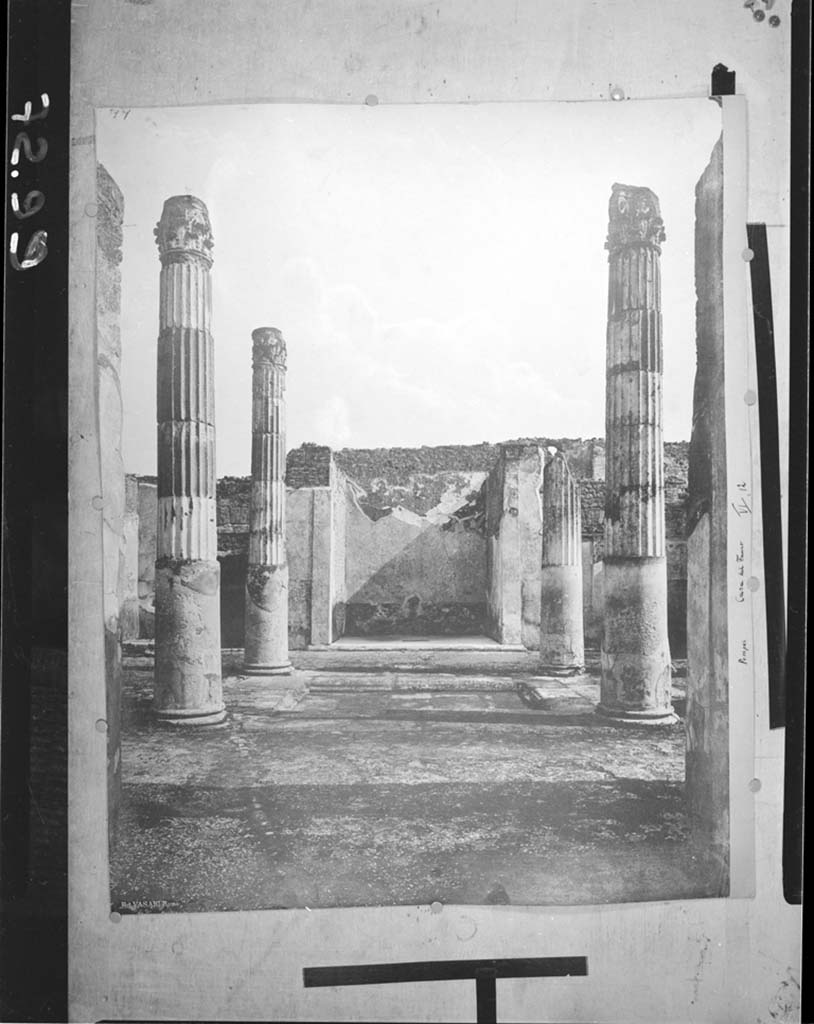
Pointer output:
x,y
453,659
323,681
493,660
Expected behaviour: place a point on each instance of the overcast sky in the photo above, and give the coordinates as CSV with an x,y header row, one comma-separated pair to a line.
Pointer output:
x,y
438,271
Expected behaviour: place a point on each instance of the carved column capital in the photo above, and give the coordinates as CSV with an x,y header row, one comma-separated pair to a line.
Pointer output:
x,y
268,346
634,219
184,232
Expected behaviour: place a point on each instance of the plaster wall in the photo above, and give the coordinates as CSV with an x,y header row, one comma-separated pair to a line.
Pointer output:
x,y
340,496
147,541
441,487
722,960
110,498
129,615
299,531
514,545
406,574
591,603
708,671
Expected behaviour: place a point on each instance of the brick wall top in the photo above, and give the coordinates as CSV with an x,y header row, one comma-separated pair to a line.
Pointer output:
x,y
365,464
592,507
380,471
308,466
396,464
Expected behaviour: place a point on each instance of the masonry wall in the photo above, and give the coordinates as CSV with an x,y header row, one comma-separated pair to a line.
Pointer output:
x,y
147,541
676,467
707,716
341,496
407,574
408,540
234,495
110,212
514,545
415,557
130,625
299,539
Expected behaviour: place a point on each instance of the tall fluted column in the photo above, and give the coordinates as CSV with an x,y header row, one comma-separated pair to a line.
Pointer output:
x,y
562,644
187,578
267,578
636,678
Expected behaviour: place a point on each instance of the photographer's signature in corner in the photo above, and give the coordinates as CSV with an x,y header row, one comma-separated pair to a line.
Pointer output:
x,y
146,906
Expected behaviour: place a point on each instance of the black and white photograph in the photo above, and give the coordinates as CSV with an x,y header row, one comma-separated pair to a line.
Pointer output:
x,y
431,493
414,578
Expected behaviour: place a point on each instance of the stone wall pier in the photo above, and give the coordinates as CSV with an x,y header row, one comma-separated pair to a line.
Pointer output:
x,y
266,643
636,671
562,644
188,689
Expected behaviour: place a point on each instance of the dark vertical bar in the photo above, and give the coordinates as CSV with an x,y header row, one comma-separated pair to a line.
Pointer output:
x,y
799,324
33,853
486,996
769,472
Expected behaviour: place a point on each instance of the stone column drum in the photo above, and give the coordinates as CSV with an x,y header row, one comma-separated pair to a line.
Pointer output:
x,y
562,644
636,676
266,651
188,687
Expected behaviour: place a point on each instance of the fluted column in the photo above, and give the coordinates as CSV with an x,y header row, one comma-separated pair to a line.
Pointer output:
x,y
266,650
636,678
562,645
187,598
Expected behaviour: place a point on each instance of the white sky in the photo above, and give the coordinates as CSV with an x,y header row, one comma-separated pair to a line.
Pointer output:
x,y
438,271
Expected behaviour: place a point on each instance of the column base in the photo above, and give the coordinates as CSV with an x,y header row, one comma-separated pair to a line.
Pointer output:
x,y
638,717
560,670
190,717
254,669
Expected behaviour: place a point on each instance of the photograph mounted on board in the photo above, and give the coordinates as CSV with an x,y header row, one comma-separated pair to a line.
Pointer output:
x,y
417,584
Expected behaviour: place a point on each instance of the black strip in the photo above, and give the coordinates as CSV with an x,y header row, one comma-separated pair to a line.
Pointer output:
x,y
769,472
33,857
486,997
722,81
444,970
794,783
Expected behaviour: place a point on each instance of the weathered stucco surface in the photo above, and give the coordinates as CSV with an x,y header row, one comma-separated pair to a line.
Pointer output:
x,y
707,631
111,496
514,544
406,574
130,613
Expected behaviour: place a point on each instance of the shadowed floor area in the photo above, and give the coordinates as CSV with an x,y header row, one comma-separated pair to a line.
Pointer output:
x,y
366,791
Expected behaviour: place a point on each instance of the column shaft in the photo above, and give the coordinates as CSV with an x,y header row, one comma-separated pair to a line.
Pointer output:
x,y
562,644
266,642
188,686
636,676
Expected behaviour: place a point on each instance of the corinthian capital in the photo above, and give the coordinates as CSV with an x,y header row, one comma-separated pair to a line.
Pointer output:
x,y
268,347
634,218
184,231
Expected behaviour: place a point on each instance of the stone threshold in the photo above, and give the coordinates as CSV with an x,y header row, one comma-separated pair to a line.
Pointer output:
x,y
417,644
454,656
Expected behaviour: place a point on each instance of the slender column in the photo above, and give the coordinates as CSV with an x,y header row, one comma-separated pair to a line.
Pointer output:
x,y
562,645
636,678
187,597
266,650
